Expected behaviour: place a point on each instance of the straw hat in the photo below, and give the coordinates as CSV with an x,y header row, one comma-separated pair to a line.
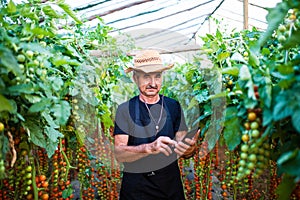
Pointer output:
x,y
148,61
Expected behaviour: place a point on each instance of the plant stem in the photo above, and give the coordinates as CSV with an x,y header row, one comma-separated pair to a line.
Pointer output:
x,y
68,166
34,186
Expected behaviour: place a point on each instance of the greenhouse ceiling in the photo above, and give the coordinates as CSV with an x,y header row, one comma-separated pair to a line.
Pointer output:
x,y
169,24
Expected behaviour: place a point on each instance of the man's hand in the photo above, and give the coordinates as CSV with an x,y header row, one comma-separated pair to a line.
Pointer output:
x,y
163,145
187,147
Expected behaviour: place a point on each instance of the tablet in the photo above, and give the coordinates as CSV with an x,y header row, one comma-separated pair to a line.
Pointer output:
x,y
191,133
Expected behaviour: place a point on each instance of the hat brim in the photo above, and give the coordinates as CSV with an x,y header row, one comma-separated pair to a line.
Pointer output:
x,y
149,68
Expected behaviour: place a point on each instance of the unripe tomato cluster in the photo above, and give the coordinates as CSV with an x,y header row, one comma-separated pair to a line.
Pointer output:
x,y
228,83
291,23
19,178
32,65
254,150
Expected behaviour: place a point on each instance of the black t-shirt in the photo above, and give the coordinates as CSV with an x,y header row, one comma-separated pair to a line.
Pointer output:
x,y
133,119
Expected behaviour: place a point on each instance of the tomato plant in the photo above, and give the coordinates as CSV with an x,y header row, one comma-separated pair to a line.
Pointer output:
x,y
55,98
260,79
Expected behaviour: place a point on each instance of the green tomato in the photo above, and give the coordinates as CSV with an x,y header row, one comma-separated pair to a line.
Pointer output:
x,y
29,182
36,63
21,66
2,169
241,169
28,175
261,165
260,157
244,155
43,43
255,133
252,157
29,53
21,58
31,69
251,165
282,28
259,171
29,168
248,172
254,125
1,127
242,162
244,148
281,38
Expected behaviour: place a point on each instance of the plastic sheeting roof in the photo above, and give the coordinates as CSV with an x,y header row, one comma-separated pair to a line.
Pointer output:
x,y
170,23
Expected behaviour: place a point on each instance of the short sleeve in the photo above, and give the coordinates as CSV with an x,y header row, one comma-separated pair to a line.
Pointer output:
x,y
122,122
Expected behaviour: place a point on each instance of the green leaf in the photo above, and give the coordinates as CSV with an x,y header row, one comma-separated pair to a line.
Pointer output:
x,y
58,61
48,10
234,71
251,93
67,192
49,119
40,106
286,69
27,12
33,98
285,188
35,131
50,148
281,110
244,73
265,51
40,31
288,163
267,116
192,103
57,82
68,10
286,83
62,112
53,134
5,104
106,116
35,47
9,61
266,92
296,119
232,133
22,88
275,17
219,35
293,40
253,60
285,157
223,56
11,7
238,57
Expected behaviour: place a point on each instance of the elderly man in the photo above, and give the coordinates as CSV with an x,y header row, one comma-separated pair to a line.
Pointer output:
x,y
149,136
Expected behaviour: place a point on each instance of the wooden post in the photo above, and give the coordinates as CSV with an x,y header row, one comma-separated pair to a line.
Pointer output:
x,y
246,25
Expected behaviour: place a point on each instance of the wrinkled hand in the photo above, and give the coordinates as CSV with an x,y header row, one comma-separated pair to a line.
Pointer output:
x,y
163,145
186,147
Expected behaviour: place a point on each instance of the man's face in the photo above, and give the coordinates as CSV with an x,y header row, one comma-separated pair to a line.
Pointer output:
x,y
149,83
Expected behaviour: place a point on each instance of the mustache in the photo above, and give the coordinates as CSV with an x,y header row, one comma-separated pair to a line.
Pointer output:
x,y
151,87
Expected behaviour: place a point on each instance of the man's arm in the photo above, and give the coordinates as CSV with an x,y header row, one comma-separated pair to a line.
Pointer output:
x,y
125,153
